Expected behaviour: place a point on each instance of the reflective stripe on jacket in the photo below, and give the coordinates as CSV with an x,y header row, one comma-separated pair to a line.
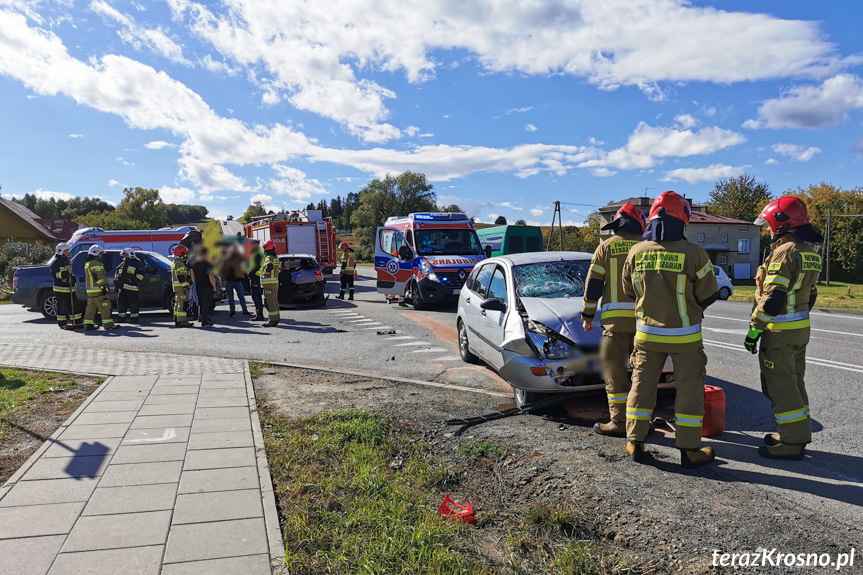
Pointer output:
x,y
95,277
179,274
129,274
270,277
61,271
618,308
348,263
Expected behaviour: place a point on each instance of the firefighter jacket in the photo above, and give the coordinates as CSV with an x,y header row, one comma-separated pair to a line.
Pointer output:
x,y
95,276
179,275
61,271
269,272
349,263
129,274
672,283
788,289
604,280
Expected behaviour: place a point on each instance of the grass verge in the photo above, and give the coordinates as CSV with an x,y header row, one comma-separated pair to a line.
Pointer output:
x,y
837,295
358,493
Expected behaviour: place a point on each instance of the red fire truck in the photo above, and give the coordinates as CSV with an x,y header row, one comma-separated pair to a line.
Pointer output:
x,y
298,233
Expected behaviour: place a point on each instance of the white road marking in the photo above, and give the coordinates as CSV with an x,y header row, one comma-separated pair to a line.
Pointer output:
x,y
377,327
400,337
410,343
340,311
809,360
445,358
169,433
432,350
836,315
360,320
724,330
812,329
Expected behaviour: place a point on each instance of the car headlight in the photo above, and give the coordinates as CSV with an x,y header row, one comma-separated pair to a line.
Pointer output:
x,y
549,347
427,271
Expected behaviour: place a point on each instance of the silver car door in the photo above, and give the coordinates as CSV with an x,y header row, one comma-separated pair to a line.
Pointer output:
x,y
478,290
491,322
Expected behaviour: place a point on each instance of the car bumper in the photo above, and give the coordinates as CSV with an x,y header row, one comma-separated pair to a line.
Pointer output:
x,y
438,292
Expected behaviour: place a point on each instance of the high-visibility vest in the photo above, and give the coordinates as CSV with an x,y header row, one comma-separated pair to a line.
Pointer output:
x,y
179,274
96,278
349,263
269,271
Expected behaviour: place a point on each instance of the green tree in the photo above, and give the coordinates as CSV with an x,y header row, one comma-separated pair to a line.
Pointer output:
x,y
144,205
450,209
742,198
500,221
184,214
520,223
253,211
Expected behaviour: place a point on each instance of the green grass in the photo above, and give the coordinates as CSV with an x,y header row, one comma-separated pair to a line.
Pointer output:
x,y
358,494
835,296
22,392
476,450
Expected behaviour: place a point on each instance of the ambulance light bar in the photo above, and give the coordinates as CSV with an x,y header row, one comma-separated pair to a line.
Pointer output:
x,y
439,216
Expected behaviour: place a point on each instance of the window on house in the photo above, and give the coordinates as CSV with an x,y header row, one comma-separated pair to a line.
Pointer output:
x,y
743,230
701,238
743,246
724,239
723,260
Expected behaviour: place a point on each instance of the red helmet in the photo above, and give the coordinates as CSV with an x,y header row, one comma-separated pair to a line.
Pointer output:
x,y
673,205
344,245
180,251
269,245
783,214
633,212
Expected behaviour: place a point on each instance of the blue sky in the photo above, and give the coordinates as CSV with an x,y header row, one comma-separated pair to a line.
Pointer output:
x,y
506,106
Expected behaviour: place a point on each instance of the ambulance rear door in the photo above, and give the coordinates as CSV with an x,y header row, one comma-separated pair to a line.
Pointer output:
x,y
394,262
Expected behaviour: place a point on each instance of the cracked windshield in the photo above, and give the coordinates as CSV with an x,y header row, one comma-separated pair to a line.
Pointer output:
x,y
551,279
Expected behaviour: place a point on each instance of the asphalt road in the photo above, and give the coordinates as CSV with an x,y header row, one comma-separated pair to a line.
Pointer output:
x,y
369,335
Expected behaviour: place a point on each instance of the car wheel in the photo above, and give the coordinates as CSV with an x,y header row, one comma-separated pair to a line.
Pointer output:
x,y
48,305
463,348
724,293
416,298
170,301
523,397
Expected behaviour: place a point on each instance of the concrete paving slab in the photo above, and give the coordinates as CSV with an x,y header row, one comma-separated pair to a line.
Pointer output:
x,y
232,377
83,448
219,458
66,467
171,409
150,453
173,390
47,491
152,421
132,560
223,402
233,424
200,541
131,499
119,386
249,565
178,380
116,531
221,412
112,406
221,440
217,506
101,418
183,398
126,474
222,384
93,432
157,435
223,392
35,520
207,480
30,556
120,396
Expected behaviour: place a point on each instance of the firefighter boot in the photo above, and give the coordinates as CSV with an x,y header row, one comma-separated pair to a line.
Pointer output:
x,y
772,439
91,327
271,324
341,296
691,458
635,449
793,451
351,296
611,429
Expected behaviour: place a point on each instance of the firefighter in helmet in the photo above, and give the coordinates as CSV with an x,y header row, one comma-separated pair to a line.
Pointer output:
x,y
617,314
780,321
64,288
127,279
269,273
98,301
672,282
348,271
180,282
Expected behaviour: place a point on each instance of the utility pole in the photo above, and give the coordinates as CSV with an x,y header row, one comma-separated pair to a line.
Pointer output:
x,y
556,216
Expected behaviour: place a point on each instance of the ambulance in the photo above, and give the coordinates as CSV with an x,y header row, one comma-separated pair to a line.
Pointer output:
x,y
161,241
426,257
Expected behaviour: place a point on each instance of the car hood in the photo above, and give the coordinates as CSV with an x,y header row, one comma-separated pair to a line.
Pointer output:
x,y
562,315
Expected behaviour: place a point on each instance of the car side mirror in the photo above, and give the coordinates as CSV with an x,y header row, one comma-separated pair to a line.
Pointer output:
x,y
488,251
493,304
406,254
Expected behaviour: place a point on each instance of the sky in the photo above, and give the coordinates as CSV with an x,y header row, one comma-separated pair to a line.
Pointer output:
x,y
505,105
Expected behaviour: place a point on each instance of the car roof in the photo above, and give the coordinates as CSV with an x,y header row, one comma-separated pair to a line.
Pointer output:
x,y
542,257
296,256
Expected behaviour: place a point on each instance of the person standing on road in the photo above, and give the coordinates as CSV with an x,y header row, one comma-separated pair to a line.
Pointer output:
x,y
348,271
269,274
255,262
232,274
64,288
180,283
98,301
672,282
617,315
780,320
205,286
127,280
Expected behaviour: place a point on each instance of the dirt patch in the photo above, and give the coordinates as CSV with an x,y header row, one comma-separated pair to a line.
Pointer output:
x,y
658,516
25,427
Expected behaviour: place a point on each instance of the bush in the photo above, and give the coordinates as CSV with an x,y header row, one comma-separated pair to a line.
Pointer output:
x,y
15,254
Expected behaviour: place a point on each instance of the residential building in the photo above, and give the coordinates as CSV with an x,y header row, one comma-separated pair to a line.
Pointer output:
x,y
18,224
732,244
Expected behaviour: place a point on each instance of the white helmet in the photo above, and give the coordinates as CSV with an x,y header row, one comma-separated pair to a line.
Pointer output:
x,y
128,252
61,248
95,250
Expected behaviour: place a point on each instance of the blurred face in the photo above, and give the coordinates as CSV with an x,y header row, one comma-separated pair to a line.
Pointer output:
x,y
66,253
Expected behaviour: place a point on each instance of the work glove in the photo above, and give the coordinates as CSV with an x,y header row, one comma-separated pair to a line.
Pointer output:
x,y
751,342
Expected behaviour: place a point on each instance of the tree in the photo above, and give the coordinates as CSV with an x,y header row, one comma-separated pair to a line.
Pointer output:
x,y
144,205
253,211
183,214
500,221
450,209
742,198
64,209
520,223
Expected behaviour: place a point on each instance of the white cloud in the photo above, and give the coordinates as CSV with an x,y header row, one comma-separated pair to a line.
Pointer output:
x,y
171,195
685,121
771,162
158,145
602,172
796,152
518,110
140,36
124,161
594,142
812,107
49,195
530,128
76,135
663,142
858,146
295,183
536,212
112,183
707,174
267,200
218,66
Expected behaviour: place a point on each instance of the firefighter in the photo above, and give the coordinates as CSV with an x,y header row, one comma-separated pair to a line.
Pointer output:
x,y
617,315
348,271
269,274
255,263
98,301
127,279
672,282
780,321
180,283
64,288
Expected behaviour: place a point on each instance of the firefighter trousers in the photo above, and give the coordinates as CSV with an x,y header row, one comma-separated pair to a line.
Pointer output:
x,y
64,307
783,366
181,299
346,282
98,305
689,372
127,304
272,298
614,352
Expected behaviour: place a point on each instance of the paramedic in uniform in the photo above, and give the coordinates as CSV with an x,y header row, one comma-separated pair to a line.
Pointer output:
x,y
617,312
672,282
781,321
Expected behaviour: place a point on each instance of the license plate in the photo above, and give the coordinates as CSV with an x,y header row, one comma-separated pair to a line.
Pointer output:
x,y
456,291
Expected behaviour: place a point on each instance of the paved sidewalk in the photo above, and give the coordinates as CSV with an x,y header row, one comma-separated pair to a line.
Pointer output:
x,y
153,474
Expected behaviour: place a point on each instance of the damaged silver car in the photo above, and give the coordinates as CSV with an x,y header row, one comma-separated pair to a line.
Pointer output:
x,y
521,314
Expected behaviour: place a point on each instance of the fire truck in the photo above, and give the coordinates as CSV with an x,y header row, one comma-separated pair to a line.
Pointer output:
x,y
298,233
